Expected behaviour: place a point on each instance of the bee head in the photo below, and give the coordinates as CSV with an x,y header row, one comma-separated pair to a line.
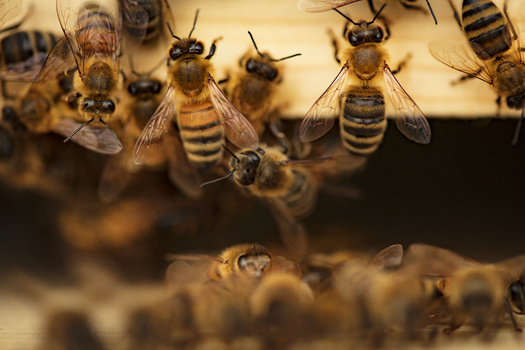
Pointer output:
x,y
246,165
186,46
516,295
364,32
98,108
144,87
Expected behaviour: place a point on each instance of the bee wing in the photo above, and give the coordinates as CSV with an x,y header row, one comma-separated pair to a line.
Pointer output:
x,y
103,33
60,60
158,124
409,118
25,71
95,139
320,117
434,261
461,58
9,9
390,257
236,127
515,266
180,171
321,5
136,17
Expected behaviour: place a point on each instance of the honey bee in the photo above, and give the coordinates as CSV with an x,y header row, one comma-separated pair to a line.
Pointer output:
x,y
42,109
475,292
362,119
94,37
144,20
326,5
253,89
497,58
203,113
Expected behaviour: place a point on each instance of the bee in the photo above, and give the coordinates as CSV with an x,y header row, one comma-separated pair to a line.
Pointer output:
x,y
144,21
203,113
497,58
475,292
42,108
94,37
253,89
326,5
362,119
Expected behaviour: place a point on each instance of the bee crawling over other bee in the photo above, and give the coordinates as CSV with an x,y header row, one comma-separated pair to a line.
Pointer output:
x,y
202,112
356,98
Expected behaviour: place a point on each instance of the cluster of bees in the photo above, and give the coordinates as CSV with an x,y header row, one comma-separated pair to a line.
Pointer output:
x,y
85,87
249,298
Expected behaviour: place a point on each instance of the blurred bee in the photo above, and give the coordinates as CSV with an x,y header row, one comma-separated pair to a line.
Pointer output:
x,y
475,292
203,113
43,108
498,58
253,89
362,119
94,37
144,21
69,329
326,5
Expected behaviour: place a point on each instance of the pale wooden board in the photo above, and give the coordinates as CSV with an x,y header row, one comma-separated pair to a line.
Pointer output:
x,y
280,28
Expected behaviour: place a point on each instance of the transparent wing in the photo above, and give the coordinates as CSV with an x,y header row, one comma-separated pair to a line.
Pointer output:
x,y
321,5
409,118
95,139
461,58
136,18
320,117
67,17
181,172
25,71
60,60
156,126
237,128
9,9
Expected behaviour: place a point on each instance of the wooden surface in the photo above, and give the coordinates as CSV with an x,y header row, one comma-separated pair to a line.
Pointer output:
x,y
280,28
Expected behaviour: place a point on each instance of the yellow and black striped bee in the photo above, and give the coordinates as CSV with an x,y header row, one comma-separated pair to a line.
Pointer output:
x,y
495,54
356,91
94,35
203,113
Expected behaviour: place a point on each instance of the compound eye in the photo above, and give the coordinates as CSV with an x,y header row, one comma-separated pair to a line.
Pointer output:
x,y
379,35
87,104
108,105
353,40
175,53
197,48
251,66
156,87
132,89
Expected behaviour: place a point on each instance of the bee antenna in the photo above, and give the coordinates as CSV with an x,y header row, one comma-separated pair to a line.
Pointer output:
x,y
432,13
80,128
254,44
345,16
219,179
112,133
230,152
194,22
287,57
378,12
171,31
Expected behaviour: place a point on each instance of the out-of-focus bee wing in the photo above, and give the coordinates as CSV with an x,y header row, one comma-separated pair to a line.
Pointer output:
x,y
115,177
237,128
434,261
515,266
320,117
67,17
321,5
292,231
390,257
409,118
25,71
180,171
461,58
95,139
136,17
60,60
156,126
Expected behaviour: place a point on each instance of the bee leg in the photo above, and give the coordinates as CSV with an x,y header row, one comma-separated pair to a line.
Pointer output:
x,y
279,135
466,77
402,64
334,43
498,103
516,136
456,13
372,7
514,34
213,47
509,311
413,7
223,81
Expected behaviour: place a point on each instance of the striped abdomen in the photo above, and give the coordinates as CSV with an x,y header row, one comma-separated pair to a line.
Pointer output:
x,y
201,133
301,196
97,34
486,28
30,46
363,123
142,20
